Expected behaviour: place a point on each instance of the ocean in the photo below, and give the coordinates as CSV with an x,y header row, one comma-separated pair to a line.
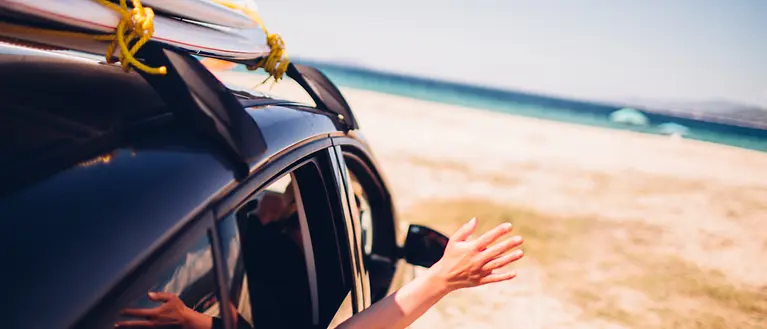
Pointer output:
x,y
542,107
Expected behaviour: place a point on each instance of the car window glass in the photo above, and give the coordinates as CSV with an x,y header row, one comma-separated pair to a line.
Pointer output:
x,y
190,281
238,280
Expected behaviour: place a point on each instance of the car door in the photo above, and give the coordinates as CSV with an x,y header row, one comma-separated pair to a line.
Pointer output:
x,y
274,252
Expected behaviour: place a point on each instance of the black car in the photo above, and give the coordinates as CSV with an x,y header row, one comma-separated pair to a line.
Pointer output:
x,y
259,212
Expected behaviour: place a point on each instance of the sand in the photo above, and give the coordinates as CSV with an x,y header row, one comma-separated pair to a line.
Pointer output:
x,y
707,201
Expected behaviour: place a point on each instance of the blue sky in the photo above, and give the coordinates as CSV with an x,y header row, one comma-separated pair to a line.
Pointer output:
x,y
589,49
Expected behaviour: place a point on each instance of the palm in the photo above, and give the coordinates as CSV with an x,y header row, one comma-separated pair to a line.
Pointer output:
x,y
469,263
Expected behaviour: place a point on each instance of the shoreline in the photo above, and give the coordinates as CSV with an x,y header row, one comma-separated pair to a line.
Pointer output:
x,y
606,107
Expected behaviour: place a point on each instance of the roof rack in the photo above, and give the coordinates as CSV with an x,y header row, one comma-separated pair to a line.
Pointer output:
x,y
188,88
195,95
323,92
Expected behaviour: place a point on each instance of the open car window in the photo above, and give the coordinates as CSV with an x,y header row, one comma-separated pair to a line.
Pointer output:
x,y
284,265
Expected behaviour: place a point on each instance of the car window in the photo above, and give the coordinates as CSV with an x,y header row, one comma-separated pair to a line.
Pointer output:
x,y
190,280
282,256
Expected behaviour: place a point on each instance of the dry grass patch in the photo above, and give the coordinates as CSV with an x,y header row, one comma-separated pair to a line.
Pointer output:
x,y
439,165
613,270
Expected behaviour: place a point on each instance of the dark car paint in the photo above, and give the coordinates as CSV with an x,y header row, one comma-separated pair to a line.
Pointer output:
x,y
71,238
120,209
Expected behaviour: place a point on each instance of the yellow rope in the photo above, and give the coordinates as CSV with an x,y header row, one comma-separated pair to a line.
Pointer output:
x,y
136,24
276,64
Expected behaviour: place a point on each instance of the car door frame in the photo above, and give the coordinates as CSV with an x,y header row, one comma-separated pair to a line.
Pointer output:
x,y
203,223
354,235
284,163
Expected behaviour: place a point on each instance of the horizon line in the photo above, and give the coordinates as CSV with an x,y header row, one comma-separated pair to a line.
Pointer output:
x,y
637,103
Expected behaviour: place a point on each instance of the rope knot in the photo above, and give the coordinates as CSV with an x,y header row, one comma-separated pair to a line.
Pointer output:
x,y
135,28
142,19
276,63
275,42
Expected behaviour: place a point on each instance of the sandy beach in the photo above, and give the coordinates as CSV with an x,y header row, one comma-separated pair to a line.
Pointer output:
x,y
623,230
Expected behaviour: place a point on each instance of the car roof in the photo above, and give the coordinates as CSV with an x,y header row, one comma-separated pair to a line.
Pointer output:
x,y
74,232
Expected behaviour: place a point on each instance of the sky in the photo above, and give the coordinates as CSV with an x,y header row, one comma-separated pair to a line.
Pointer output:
x,y
616,50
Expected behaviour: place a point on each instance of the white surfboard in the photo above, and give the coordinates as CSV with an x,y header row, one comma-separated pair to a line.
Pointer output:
x,y
230,43
205,11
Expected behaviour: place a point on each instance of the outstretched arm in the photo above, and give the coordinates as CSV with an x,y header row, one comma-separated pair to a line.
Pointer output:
x,y
466,263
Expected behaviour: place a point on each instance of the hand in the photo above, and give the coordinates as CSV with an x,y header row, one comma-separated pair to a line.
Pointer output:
x,y
172,312
271,207
469,263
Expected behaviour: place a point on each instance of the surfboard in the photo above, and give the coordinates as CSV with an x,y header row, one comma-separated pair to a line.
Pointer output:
x,y
224,43
205,11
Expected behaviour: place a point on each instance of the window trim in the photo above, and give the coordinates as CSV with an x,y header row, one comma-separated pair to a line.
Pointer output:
x,y
361,281
356,147
355,153
383,258
276,166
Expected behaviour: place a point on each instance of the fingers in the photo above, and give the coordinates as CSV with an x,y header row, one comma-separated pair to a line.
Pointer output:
x,y
135,324
161,296
465,231
492,235
500,248
140,312
503,260
498,277
149,312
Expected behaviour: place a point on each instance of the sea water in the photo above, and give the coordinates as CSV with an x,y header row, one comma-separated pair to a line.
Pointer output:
x,y
535,106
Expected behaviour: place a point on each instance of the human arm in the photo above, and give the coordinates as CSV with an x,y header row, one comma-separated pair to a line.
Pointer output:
x,y
466,263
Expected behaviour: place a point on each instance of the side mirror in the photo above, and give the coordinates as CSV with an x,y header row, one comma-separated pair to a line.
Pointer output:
x,y
423,246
